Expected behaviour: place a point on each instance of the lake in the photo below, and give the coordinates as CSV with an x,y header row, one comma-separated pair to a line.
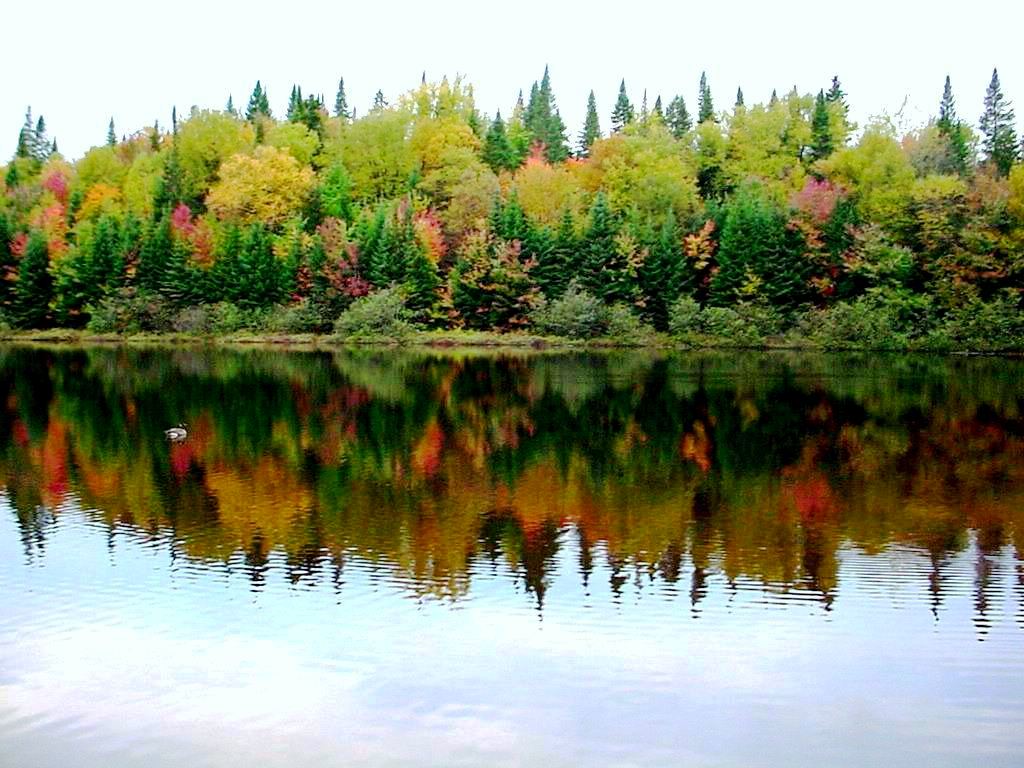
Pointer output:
x,y
400,558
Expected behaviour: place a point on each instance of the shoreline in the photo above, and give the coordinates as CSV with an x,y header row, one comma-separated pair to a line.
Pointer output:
x,y
459,339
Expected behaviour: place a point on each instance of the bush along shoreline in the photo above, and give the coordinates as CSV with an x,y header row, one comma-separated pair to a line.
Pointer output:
x,y
577,319
424,220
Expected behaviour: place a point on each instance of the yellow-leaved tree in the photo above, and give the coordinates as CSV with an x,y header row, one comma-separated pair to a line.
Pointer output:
x,y
268,186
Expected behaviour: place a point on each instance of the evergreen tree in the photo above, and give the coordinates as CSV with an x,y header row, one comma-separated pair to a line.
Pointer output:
x,y
591,127
341,109
295,103
498,152
678,117
26,137
544,122
645,113
259,103
558,264
658,109
260,280
422,282
821,129
998,135
705,105
111,135
955,132
7,263
230,106
34,290
379,102
739,98
598,248
622,115
657,276
774,98
41,148
155,255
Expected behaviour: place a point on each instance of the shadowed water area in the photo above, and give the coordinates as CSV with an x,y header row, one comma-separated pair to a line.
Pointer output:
x,y
419,559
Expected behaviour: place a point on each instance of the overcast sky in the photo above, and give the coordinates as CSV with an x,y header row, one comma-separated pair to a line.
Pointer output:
x,y
80,63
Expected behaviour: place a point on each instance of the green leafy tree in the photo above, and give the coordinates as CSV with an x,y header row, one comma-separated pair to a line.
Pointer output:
x,y
622,114
998,135
591,127
678,118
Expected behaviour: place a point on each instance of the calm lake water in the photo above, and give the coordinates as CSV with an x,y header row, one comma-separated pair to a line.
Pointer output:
x,y
416,559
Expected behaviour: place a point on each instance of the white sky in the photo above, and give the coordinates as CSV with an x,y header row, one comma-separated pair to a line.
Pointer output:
x,y
78,62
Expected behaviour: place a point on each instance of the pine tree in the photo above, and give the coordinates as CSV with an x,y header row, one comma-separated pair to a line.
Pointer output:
x,y
111,135
998,135
41,144
591,127
421,285
739,98
774,98
230,106
34,289
659,270
598,247
678,117
259,103
658,109
821,129
544,122
557,264
955,132
26,136
155,255
623,114
261,279
705,104
379,102
341,109
498,153
294,112
645,113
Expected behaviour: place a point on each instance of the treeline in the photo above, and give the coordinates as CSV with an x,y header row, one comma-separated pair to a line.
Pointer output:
x,y
758,220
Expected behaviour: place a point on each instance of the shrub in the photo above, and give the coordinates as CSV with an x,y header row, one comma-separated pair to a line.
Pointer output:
x,y
684,317
576,314
743,324
981,326
129,311
295,318
884,319
623,325
381,314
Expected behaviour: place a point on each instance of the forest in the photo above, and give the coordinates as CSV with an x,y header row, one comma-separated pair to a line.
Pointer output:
x,y
661,218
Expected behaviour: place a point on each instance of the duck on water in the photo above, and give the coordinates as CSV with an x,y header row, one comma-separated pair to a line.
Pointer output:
x,y
176,434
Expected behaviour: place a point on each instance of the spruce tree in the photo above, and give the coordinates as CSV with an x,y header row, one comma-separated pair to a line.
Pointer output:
x,y
658,109
954,131
34,289
379,102
821,129
498,153
705,105
259,103
294,112
598,248
230,106
111,135
657,275
739,98
26,136
678,117
41,144
341,109
7,262
998,135
544,122
591,127
558,264
623,114
774,98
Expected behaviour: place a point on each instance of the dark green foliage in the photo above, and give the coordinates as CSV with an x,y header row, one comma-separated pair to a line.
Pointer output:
x,y
7,263
155,255
591,127
622,114
598,246
821,132
705,104
739,98
556,257
259,103
34,289
998,135
575,314
954,131
758,255
658,281
498,152
382,314
260,278
422,282
379,102
111,135
658,109
96,268
544,122
491,286
678,118
341,108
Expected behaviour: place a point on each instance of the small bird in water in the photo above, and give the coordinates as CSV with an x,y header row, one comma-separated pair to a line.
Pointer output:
x,y
176,434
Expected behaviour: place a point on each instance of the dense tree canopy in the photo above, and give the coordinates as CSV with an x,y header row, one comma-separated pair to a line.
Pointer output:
x,y
478,219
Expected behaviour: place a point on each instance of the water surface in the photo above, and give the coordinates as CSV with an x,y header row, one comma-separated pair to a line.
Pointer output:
x,y
388,558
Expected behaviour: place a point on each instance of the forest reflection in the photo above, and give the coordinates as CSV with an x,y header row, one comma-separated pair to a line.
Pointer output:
x,y
755,467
